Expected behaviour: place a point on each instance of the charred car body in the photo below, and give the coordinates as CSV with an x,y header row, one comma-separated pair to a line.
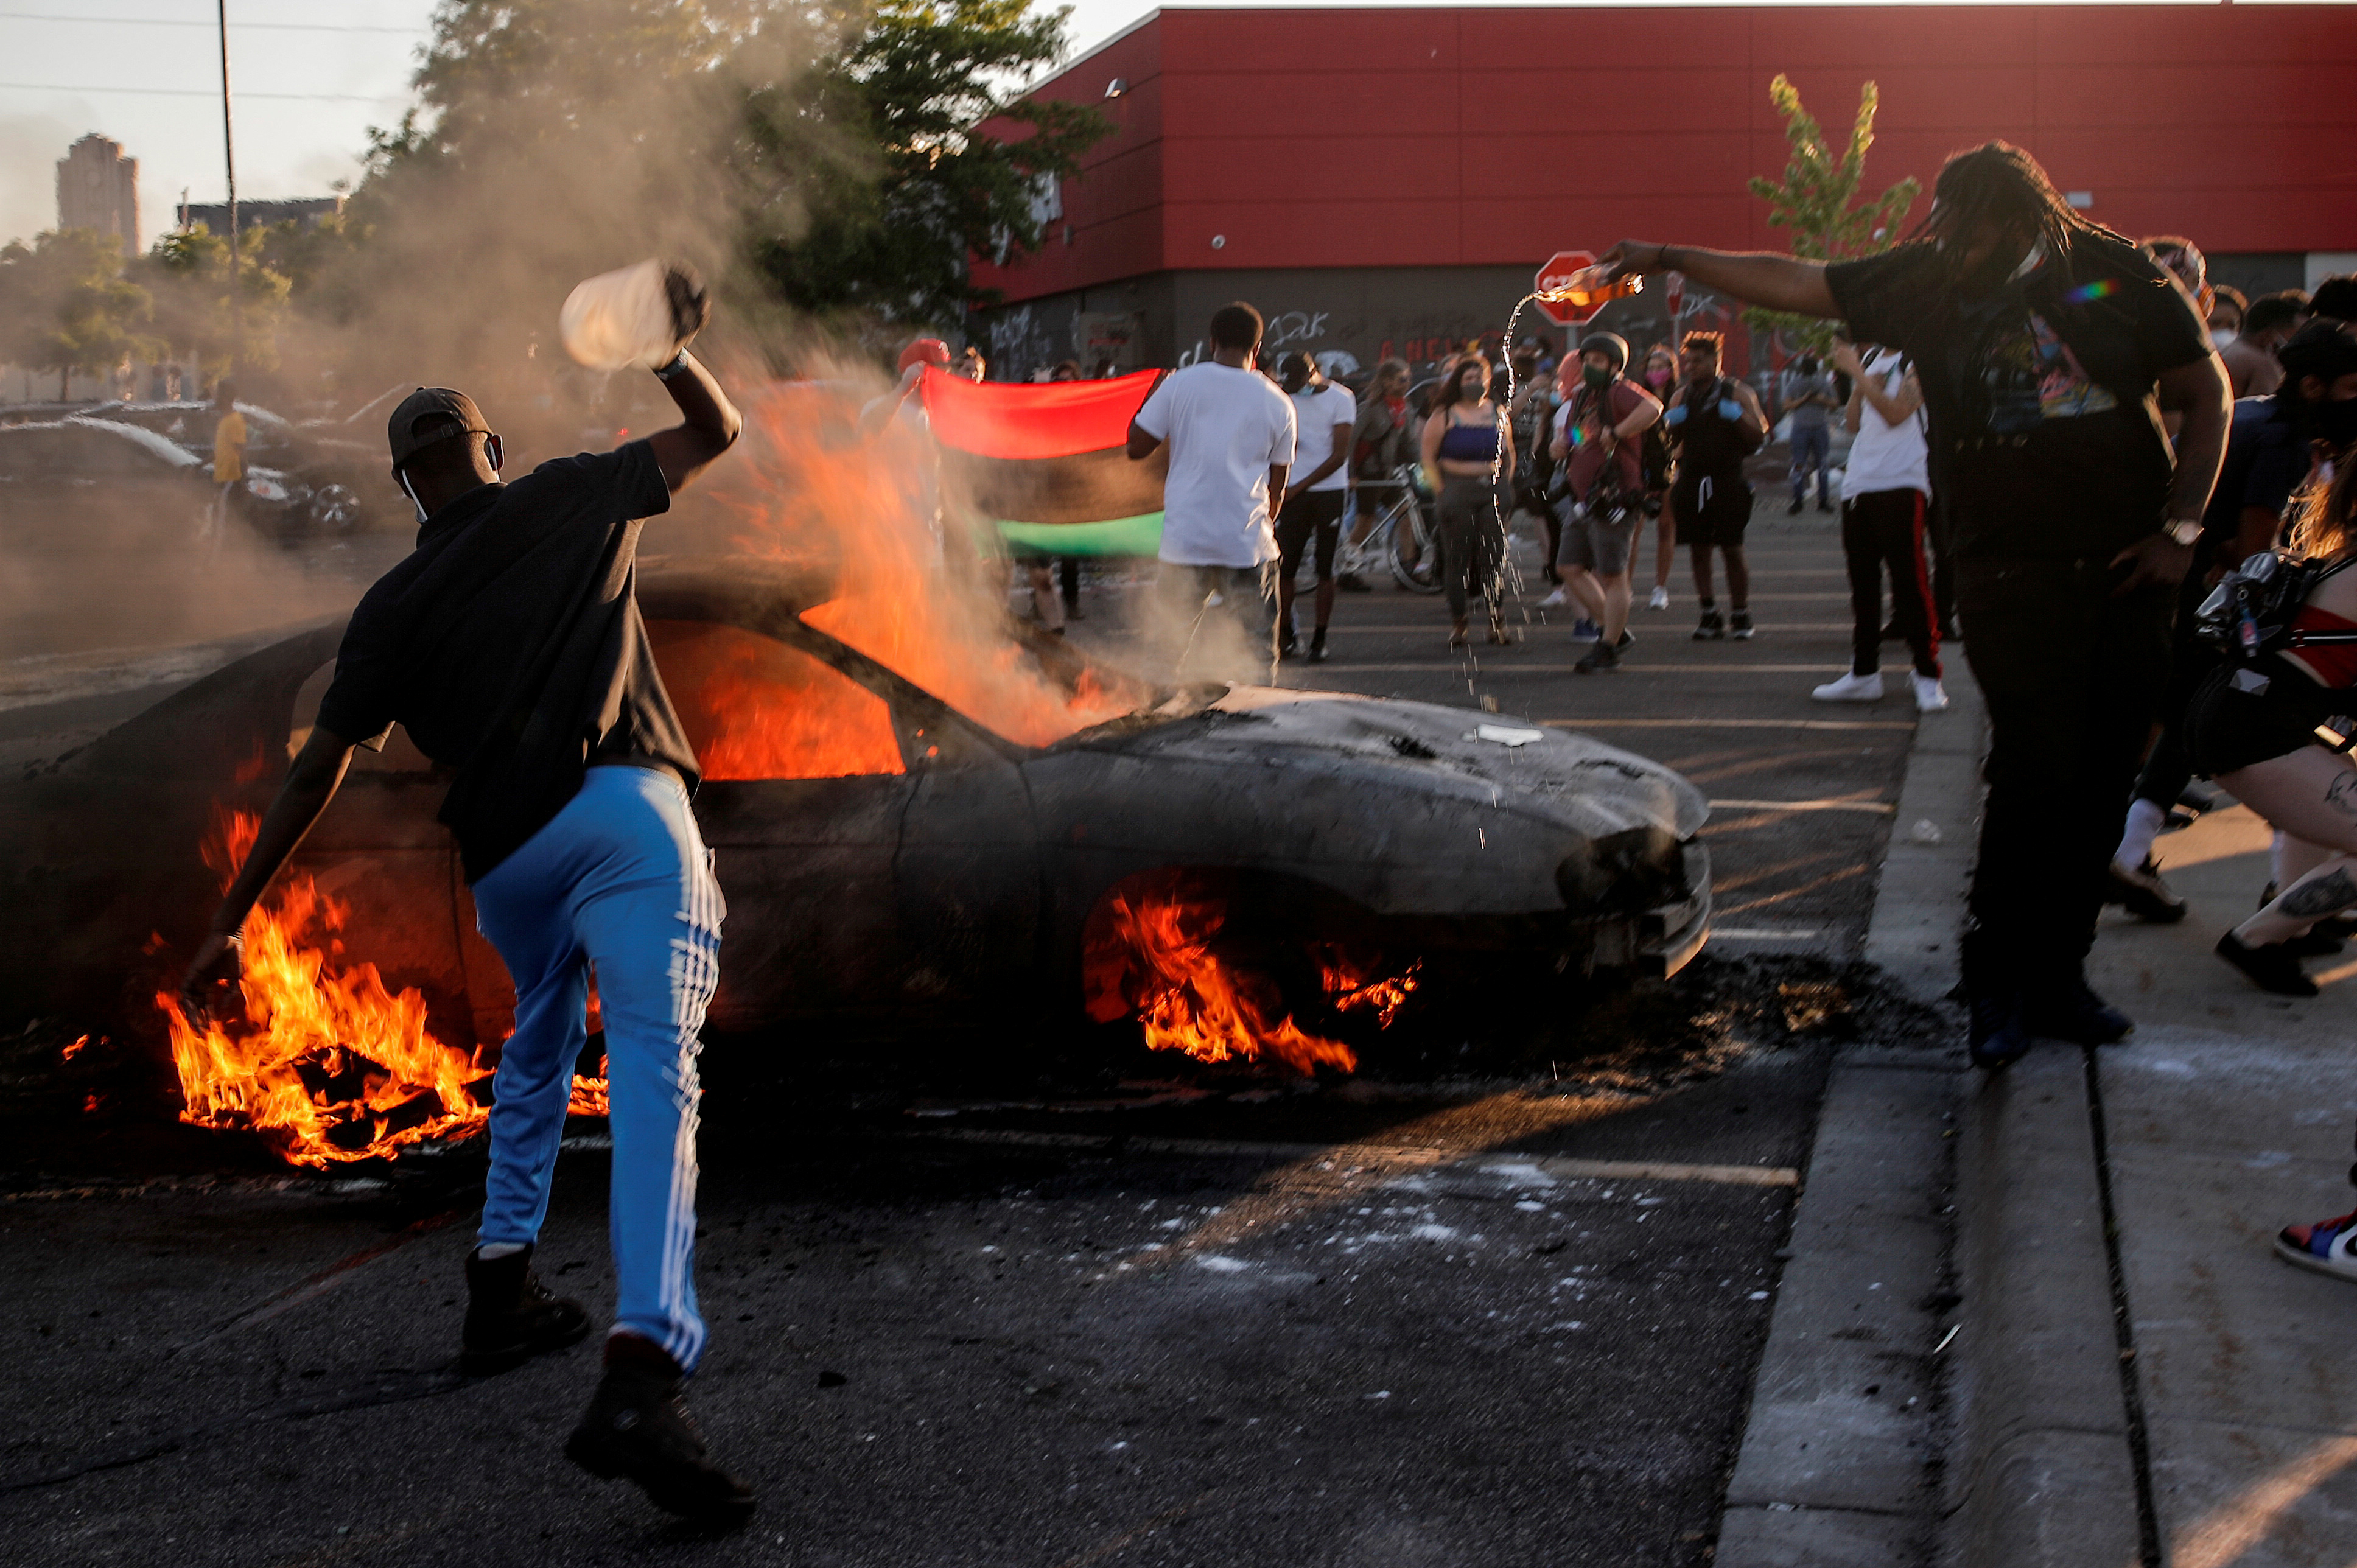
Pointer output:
x,y
939,870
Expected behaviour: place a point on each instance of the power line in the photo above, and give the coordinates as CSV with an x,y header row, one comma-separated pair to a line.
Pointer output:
x,y
417,31
209,92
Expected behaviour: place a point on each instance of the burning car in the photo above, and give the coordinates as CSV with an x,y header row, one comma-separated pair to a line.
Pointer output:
x,y
1044,837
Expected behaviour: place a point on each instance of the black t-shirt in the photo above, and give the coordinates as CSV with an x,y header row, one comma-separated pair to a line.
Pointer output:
x,y
2266,459
2040,393
508,644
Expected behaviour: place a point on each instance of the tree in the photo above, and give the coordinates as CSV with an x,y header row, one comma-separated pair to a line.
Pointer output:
x,y
891,233
1815,199
187,270
69,306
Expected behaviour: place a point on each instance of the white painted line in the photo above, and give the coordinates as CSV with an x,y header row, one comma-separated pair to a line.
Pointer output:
x,y
1765,933
1873,808
1725,724
1653,1170
1501,664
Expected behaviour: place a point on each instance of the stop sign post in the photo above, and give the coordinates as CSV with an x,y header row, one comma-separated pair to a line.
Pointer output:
x,y
1558,272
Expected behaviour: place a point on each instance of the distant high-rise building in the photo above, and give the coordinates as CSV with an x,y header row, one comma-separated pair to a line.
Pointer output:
x,y
254,215
98,187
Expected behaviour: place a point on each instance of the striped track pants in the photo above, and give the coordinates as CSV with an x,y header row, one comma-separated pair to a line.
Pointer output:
x,y
620,880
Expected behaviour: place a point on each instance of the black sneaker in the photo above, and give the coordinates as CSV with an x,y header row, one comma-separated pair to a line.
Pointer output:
x,y
2318,944
2142,892
637,1428
1317,646
512,1316
1598,658
1794,510
1712,628
1738,625
1287,649
2269,968
1995,1035
1628,640
2069,1010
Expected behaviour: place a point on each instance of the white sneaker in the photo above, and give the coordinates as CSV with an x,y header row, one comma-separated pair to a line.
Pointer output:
x,y
1851,688
1931,696
1660,600
1553,601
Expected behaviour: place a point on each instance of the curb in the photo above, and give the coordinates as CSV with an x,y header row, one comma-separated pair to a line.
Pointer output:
x,y
1838,1449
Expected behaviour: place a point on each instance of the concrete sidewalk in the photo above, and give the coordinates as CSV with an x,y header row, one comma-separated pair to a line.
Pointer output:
x,y
2142,1381
2227,1116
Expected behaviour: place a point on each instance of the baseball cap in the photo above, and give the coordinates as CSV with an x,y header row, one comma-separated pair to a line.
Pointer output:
x,y
1297,359
925,350
1611,345
430,403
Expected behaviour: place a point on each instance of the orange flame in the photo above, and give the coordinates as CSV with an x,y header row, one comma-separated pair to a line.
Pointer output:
x,y
1149,951
329,1066
755,708
922,603
74,1049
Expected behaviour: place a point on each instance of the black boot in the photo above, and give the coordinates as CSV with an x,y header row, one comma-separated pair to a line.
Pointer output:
x,y
1995,1035
638,1429
2270,968
2067,1008
512,1316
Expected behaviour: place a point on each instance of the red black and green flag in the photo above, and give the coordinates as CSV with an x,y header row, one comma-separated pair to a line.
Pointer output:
x,y
1048,461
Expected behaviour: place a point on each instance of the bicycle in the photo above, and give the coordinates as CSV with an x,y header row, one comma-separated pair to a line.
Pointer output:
x,y
1408,553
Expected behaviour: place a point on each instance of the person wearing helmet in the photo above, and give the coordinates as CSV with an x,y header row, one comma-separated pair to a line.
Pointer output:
x,y
1599,438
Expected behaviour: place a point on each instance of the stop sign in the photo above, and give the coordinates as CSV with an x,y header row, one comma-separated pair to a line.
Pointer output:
x,y
1555,274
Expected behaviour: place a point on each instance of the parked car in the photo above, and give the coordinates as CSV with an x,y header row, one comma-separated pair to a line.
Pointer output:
x,y
919,865
79,459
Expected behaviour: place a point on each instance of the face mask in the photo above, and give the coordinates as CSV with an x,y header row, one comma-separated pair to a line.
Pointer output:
x,y
1596,379
409,490
2220,338
1657,378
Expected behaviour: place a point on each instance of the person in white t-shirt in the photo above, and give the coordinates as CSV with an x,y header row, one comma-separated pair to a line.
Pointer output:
x,y
1316,488
1231,435
1883,496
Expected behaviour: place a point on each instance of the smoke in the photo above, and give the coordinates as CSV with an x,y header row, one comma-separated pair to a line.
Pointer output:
x,y
31,145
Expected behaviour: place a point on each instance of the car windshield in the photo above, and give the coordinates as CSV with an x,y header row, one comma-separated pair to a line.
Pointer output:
x,y
1029,696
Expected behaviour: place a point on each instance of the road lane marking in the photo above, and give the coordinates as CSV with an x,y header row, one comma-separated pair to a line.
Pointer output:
x,y
1725,724
1874,808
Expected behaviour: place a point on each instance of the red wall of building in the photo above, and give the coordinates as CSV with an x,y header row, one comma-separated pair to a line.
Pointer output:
x,y
1328,138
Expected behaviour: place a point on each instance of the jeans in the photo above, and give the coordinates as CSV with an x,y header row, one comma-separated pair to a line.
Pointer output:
x,y
1470,538
1247,603
619,879
2072,677
1883,530
1809,449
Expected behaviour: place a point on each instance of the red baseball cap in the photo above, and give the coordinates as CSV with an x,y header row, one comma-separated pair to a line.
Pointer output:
x,y
925,350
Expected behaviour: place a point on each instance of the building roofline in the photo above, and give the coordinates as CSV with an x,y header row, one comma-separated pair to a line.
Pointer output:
x,y
1099,48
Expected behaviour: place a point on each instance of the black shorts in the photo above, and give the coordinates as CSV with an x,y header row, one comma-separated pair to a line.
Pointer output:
x,y
2228,726
1712,508
1311,512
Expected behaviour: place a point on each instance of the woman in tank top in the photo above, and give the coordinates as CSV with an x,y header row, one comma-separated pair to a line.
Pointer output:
x,y
1468,447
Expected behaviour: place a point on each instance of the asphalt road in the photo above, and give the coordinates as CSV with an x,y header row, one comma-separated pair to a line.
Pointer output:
x,y
972,1305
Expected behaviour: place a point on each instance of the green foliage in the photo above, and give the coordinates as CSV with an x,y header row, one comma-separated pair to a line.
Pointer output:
x,y
1816,203
891,233
69,306
188,274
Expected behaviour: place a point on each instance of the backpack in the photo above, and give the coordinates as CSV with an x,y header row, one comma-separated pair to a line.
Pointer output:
x,y
2249,614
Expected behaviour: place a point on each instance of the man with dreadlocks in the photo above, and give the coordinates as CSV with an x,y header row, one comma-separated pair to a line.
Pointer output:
x,y
2048,349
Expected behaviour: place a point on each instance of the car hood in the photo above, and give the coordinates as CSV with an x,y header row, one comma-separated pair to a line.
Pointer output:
x,y
1552,773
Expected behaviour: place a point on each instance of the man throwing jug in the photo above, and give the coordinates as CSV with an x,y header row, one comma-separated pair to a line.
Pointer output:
x,y
2048,349
509,645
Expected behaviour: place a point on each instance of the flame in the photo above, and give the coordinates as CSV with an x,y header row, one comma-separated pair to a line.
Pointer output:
x,y
74,1049
330,1066
805,483
1149,951
755,708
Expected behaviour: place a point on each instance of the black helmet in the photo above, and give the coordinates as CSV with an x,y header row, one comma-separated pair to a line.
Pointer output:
x,y
1611,345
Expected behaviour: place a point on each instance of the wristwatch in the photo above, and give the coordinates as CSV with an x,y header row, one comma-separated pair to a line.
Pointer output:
x,y
2185,530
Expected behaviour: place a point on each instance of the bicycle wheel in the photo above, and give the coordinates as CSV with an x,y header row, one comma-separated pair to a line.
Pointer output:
x,y
1413,552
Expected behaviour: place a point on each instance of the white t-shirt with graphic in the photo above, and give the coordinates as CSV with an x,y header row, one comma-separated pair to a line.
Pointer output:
x,y
1883,455
1226,429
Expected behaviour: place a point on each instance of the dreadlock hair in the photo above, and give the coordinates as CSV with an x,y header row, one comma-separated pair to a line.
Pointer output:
x,y
2326,524
2000,185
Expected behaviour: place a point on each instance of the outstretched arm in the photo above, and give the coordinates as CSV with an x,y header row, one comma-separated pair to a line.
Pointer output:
x,y
311,783
1756,277
708,426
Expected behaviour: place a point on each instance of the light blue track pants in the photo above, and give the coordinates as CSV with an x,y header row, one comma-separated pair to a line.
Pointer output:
x,y
620,880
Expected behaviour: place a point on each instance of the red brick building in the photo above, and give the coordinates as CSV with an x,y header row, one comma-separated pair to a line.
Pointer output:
x,y
1388,180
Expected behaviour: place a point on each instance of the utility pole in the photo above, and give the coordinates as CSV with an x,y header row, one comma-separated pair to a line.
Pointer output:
x,y
229,157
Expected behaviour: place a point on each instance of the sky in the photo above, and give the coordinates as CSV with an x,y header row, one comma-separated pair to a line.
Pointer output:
x,y
310,77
